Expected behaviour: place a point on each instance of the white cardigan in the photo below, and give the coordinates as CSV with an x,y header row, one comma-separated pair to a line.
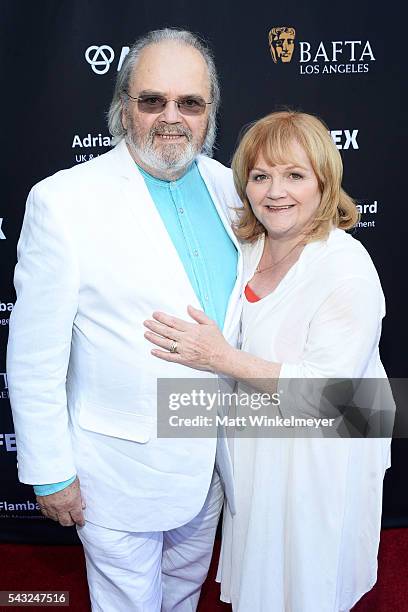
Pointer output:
x,y
326,310
306,532
94,261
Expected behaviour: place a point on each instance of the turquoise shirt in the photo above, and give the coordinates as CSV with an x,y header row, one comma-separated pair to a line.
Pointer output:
x,y
207,252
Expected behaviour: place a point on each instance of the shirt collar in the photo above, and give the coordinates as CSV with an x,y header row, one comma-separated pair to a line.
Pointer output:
x,y
163,183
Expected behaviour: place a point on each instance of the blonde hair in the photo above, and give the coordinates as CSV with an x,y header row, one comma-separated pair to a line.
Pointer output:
x,y
272,136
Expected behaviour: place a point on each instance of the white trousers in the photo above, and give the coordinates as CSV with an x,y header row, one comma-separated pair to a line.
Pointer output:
x,y
151,571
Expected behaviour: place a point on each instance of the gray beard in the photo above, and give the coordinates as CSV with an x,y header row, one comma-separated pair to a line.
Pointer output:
x,y
170,158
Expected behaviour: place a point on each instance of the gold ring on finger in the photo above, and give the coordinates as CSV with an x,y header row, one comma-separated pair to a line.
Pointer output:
x,y
173,347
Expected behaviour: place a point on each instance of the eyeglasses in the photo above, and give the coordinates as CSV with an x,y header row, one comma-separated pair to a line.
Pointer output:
x,y
187,105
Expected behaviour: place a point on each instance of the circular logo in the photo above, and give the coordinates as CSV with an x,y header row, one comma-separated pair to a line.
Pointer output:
x,y
100,58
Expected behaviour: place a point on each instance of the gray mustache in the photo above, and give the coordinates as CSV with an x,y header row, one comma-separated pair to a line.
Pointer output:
x,y
179,131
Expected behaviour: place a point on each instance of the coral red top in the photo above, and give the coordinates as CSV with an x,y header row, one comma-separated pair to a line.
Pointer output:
x,y
251,295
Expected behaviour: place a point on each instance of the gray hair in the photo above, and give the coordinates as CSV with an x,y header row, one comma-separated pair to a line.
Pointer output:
x,y
123,80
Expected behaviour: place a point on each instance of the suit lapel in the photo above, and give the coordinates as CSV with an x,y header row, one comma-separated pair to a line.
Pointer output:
x,y
159,251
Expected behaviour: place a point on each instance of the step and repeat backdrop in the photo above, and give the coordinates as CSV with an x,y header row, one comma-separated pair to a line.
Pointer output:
x,y
342,62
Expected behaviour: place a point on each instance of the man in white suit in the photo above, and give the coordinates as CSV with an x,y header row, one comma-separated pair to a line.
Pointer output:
x,y
141,228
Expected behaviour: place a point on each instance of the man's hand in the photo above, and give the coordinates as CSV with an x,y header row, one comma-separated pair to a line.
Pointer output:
x,y
65,506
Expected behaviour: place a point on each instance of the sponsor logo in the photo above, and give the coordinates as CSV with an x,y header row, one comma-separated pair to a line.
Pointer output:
x,y
88,142
100,58
18,506
8,442
367,209
5,307
2,236
345,139
91,141
4,394
282,44
320,57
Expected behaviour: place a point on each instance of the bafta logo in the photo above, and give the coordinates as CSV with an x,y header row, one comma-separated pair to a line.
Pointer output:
x,y
282,43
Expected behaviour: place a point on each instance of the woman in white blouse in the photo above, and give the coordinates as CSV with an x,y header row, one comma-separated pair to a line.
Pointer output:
x,y
306,532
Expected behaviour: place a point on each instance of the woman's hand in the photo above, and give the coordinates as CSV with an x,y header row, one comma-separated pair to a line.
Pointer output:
x,y
199,345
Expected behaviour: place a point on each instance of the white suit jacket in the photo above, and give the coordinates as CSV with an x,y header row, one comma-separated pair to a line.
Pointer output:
x,y
94,261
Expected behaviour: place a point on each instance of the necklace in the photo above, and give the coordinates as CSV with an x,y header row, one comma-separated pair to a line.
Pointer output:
x,y
258,269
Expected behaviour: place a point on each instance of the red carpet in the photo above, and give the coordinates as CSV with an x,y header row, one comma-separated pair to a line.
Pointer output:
x,y
62,568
